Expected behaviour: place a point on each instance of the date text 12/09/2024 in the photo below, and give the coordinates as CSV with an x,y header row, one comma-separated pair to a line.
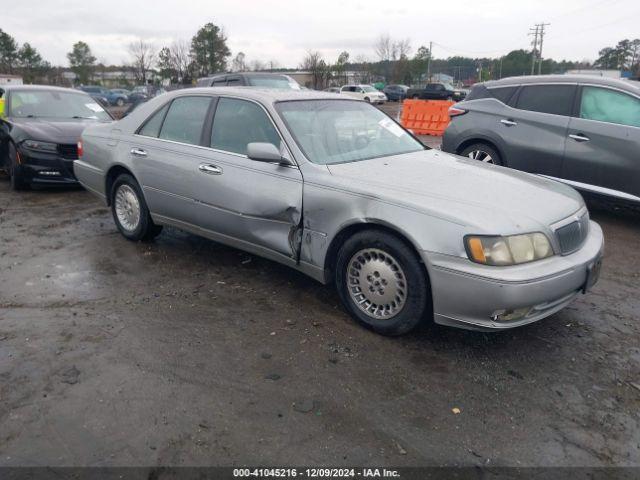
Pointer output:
x,y
315,473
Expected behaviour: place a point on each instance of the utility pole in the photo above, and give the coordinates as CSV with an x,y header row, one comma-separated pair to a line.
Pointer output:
x,y
535,32
541,25
429,62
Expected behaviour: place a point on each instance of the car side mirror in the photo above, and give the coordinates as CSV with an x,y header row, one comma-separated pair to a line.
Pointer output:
x,y
266,152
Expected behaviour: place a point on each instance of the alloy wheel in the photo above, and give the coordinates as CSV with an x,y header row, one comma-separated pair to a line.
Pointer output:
x,y
480,155
376,283
127,207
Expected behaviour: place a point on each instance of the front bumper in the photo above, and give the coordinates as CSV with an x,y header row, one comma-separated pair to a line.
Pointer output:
x,y
467,295
45,169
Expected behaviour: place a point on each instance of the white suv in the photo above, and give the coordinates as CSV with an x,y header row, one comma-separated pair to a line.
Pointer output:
x,y
364,92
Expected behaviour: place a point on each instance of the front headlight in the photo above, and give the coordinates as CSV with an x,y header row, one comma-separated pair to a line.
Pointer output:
x,y
511,250
38,146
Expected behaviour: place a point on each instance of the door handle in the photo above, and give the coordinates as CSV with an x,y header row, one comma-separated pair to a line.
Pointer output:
x,y
210,169
508,123
579,137
138,152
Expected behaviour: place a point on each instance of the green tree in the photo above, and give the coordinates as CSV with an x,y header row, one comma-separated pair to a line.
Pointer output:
x,y
31,63
8,53
81,61
209,50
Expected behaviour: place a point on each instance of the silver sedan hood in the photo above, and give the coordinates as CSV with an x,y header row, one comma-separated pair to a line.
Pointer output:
x,y
491,199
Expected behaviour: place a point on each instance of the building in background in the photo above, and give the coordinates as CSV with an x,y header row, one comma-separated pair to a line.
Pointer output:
x,y
6,79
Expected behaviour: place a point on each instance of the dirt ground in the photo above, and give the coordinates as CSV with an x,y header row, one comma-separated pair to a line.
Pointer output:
x,y
186,352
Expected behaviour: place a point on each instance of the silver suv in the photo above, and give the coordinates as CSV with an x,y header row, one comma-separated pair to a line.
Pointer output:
x,y
580,130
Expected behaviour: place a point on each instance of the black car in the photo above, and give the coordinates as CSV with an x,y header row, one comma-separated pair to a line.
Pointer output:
x,y
436,91
39,132
252,79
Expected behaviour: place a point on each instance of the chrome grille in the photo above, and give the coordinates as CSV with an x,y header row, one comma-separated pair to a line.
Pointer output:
x,y
572,236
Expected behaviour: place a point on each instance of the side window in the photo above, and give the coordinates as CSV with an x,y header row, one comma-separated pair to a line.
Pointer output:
x,y
185,119
219,82
609,106
238,123
503,94
151,127
233,81
555,99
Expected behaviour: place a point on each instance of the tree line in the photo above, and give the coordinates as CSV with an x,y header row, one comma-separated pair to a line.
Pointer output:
x,y
393,61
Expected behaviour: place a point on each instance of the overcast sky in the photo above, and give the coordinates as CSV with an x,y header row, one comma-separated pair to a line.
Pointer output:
x,y
283,30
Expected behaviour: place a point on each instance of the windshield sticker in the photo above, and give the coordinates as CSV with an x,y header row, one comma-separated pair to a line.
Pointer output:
x,y
391,126
93,107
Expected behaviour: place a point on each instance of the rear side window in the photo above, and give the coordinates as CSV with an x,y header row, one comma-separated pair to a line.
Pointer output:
x,y
609,106
554,99
238,123
503,94
185,119
151,128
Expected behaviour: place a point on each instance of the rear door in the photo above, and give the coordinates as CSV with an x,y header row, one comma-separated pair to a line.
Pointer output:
x,y
256,203
603,142
166,152
534,132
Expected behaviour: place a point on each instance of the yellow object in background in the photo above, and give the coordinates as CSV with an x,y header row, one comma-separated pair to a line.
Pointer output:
x,y
1,107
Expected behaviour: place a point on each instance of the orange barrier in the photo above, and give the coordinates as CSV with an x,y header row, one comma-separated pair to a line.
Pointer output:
x,y
425,117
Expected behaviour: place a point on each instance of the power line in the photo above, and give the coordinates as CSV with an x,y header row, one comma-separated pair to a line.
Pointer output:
x,y
536,52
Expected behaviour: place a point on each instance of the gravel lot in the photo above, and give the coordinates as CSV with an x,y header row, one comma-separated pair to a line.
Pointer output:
x,y
186,352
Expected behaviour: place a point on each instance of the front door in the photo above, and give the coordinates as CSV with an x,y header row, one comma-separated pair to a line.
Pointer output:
x,y
257,204
603,143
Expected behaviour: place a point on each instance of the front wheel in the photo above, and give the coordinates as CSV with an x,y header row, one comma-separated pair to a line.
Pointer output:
x,y
367,99
130,211
483,153
382,283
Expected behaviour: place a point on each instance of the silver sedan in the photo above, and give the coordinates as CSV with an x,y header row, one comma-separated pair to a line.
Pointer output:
x,y
336,189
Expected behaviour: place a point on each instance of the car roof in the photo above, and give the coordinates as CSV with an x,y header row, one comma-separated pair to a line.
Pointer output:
x,y
592,79
8,88
264,95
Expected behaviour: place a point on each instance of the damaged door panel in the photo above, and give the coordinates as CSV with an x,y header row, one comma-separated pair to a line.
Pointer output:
x,y
257,202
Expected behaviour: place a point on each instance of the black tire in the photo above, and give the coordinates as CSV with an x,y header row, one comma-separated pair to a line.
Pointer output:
x,y
367,99
145,229
485,148
416,297
15,177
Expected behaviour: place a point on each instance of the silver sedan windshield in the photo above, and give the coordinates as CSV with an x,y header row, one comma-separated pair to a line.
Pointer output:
x,y
339,131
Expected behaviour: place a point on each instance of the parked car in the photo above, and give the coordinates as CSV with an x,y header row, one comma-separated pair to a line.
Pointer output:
x,y
332,89
39,132
252,79
396,93
120,96
140,93
436,91
364,92
99,94
336,189
583,131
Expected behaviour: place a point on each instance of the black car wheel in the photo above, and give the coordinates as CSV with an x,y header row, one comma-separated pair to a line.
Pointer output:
x,y
130,211
482,152
17,182
382,282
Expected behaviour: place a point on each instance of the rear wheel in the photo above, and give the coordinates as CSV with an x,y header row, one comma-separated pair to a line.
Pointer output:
x,y
382,283
482,152
367,99
130,211
17,182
